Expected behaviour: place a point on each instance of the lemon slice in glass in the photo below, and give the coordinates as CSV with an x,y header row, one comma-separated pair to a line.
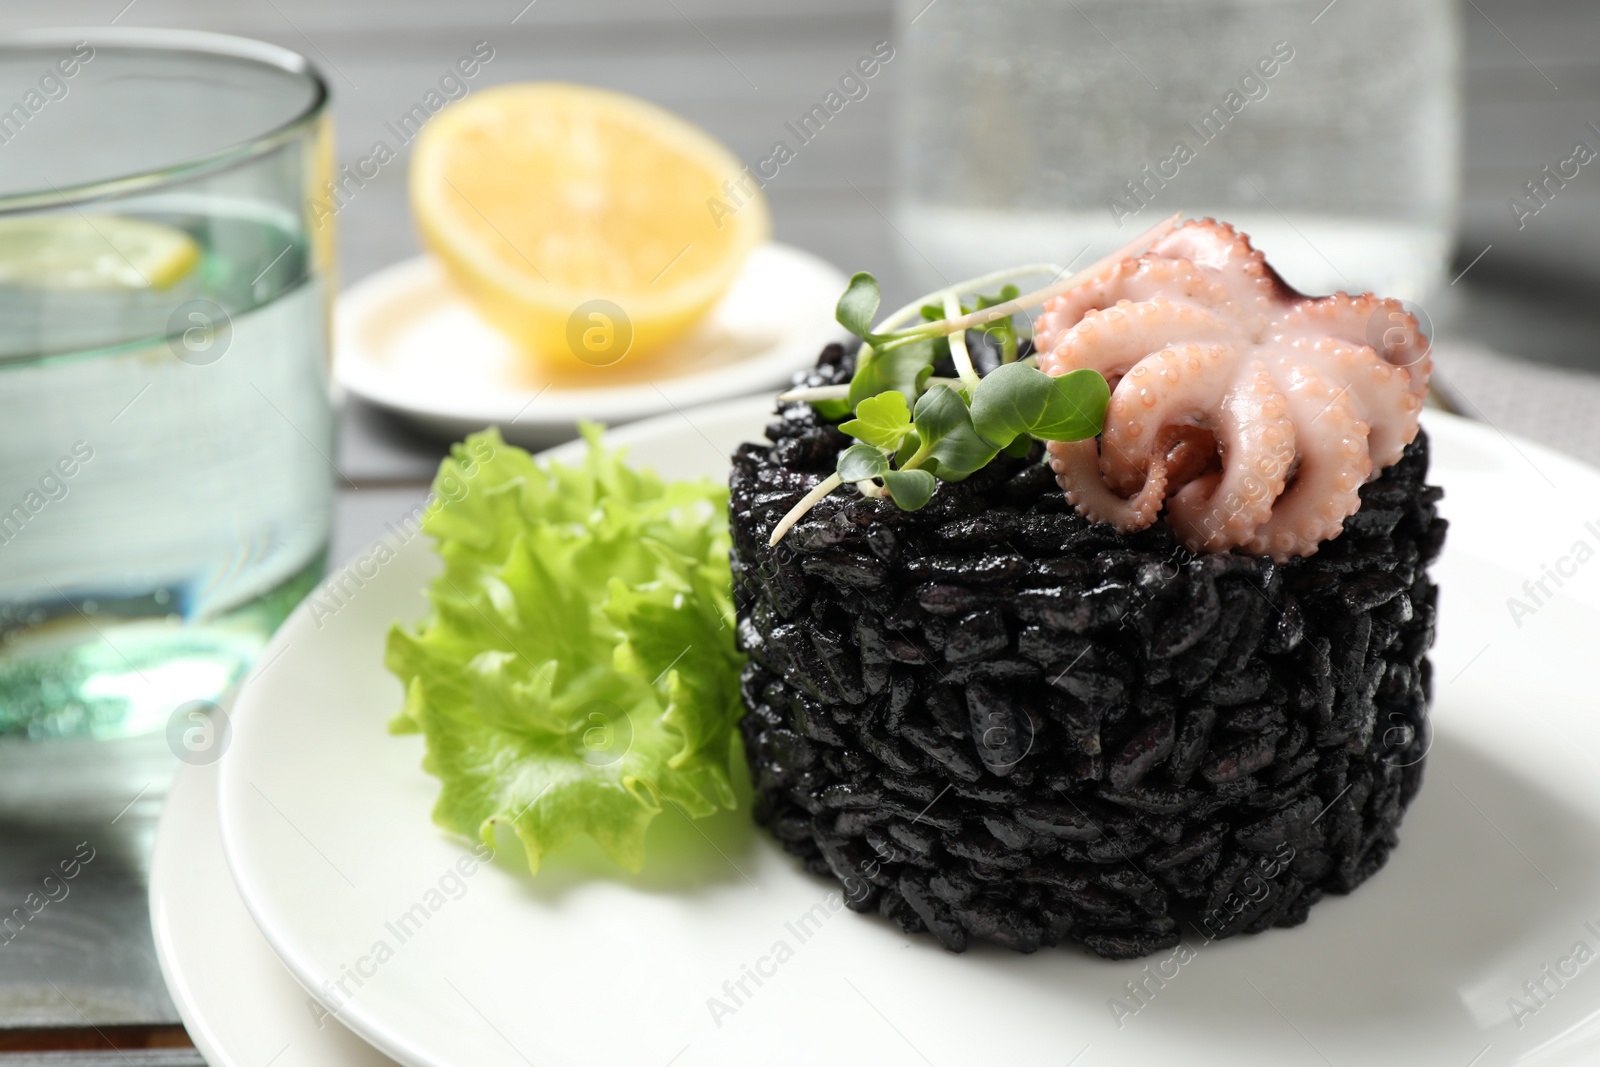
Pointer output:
x,y
586,224
93,252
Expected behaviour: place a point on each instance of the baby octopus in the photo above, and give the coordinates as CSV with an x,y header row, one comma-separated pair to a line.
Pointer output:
x,y
1253,412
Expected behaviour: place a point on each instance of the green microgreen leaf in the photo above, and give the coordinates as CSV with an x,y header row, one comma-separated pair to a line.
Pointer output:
x,y
911,490
1077,406
882,421
950,447
908,448
860,462
1017,399
859,305
1019,448
903,370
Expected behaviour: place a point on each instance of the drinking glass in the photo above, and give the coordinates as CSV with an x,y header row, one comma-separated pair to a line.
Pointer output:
x,y
1056,130
165,426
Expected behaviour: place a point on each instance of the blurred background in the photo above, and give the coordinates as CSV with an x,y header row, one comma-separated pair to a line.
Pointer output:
x,y
742,69
1530,78
1507,271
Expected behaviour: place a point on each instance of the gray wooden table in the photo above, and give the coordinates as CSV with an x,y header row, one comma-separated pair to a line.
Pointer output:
x,y
741,68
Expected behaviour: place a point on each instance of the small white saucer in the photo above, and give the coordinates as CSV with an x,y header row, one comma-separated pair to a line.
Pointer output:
x,y
407,340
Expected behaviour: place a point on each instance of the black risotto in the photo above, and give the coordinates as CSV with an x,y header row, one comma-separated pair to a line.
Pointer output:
x,y
991,719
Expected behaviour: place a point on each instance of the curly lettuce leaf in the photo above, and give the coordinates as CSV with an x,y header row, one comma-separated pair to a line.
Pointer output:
x,y
577,670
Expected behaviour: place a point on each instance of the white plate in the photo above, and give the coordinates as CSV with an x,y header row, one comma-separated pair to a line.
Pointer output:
x,y
406,339
238,1003
326,826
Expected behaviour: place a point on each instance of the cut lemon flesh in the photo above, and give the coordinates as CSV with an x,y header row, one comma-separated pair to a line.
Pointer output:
x,y
93,252
586,224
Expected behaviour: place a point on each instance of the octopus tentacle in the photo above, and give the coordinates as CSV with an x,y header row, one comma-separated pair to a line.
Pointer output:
x,y
1382,323
1193,451
1138,281
1112,340
1247,281
1173,386
1382,396
1062,313
1334,463
1077,469
1213,244
1217,511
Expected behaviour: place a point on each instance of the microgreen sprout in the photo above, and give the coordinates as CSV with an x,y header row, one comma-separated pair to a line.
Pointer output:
x,y
912,430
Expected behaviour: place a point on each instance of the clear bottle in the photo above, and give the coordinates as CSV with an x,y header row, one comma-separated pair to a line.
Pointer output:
x,y
1057,129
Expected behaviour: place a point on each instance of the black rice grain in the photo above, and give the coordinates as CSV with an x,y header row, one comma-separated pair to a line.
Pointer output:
x,y
993,720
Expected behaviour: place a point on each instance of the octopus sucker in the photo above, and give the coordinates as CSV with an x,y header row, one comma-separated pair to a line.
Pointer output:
x,y
1250,413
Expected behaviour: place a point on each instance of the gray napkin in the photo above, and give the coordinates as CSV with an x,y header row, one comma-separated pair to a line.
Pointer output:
x,y
1554,406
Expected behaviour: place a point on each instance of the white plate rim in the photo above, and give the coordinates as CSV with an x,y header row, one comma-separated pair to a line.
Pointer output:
x,y
176,858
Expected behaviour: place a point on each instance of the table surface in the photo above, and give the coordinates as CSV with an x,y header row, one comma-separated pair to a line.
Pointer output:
x,y
87,979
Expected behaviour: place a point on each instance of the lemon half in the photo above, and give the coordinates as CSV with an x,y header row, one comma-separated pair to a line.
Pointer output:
x,y
586,224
